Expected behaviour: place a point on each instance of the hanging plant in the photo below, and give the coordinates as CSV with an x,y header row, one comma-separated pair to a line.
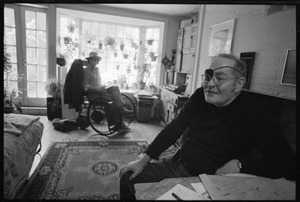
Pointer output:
x,y
122,46
67,40
100,45
150,42
61,60
110,41
133,44
71,27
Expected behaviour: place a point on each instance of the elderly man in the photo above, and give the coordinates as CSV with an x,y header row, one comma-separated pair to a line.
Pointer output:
x,y
225,125
95,90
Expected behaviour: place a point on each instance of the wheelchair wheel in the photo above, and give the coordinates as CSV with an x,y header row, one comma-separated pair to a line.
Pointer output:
x,y
129,104
104,116
82,122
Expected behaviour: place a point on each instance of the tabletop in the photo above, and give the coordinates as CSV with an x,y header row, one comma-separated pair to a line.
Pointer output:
x,y
151,191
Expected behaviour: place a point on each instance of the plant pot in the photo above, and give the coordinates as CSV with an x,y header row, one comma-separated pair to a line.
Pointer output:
x,y
150,42
116,54
54,108
100,46
141,85
61,61
125,56
122,47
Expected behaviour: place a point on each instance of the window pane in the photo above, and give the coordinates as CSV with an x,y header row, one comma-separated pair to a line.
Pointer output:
x,y
94,28
120,31
103,29
127,32
135,33
10,36
31,89
31,38
149,34
14,73
86,28
31,73
30,20
156,34
41,73
12,85
41,56
31,56
111,30
13,53
9,17
41,36
41,21
41,90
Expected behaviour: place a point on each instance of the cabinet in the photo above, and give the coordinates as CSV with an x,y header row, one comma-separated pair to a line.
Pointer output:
x,y
186,47
171,103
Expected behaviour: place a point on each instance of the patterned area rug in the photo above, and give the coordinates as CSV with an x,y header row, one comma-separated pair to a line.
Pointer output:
x,y
82,170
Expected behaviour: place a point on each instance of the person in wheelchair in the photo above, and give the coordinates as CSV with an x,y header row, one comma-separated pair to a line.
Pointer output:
x,y
94,89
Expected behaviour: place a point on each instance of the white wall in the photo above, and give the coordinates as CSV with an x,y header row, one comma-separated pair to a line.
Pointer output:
x,y
268,35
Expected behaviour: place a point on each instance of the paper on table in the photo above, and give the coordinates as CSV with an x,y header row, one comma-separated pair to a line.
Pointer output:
x,y
183,192
247,188
199,187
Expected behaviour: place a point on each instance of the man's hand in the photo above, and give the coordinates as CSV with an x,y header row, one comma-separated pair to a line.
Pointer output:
x,y
136,167
231,166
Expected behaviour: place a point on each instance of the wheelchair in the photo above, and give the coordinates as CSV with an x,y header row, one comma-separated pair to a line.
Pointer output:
x,y
103,115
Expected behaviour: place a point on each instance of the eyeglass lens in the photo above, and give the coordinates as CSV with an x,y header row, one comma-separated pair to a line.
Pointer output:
x,y
208,74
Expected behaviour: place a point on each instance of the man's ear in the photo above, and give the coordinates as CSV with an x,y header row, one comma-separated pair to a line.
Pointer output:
x,y
240,83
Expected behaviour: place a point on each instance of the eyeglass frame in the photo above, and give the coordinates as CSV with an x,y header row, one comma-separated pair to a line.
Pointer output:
x,y
213,76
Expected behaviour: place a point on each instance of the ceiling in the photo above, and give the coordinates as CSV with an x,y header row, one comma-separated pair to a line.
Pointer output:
x,y
185,10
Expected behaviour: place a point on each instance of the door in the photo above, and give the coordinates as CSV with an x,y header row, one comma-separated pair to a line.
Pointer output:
x,y
34,56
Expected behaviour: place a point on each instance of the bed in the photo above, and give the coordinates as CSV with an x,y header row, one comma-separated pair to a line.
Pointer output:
x,y
22,141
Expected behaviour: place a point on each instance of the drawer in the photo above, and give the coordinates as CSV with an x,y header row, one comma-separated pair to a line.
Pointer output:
x,y
171,107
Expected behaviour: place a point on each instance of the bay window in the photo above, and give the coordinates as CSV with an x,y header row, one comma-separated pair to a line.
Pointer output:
x,y
129,50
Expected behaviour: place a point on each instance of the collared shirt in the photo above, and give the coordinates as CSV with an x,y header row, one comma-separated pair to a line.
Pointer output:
x,y
91,77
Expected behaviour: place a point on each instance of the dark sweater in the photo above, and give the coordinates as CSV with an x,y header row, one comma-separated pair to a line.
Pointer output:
x,y
218,135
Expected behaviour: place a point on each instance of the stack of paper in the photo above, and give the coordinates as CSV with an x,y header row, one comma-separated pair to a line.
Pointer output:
x,y
182,192
247,188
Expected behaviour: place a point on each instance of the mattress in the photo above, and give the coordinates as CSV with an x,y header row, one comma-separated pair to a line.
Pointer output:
x,y
22,139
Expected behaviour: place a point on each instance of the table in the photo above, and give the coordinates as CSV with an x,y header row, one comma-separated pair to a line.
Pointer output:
x,y
151,191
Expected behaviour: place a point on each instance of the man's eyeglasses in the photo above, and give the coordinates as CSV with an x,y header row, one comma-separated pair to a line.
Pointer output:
x,y
218,79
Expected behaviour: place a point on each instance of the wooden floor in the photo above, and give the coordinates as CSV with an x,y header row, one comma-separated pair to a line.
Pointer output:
x,y
139,130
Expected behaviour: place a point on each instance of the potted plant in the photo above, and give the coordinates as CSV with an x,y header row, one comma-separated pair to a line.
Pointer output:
x,y
100,45
142,76
10,94
110,41
53,89
150,42
122,80
122,45
61,60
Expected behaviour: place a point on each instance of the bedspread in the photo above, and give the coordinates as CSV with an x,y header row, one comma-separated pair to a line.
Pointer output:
x,y
22,136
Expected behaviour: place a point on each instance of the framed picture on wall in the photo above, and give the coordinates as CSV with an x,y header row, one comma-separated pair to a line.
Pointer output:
x,y
289,70
221,38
